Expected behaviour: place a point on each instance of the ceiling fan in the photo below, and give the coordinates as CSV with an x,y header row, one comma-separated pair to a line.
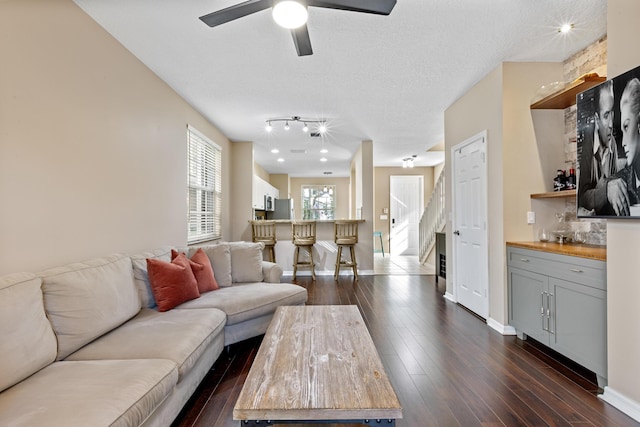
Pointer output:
x,y
296,12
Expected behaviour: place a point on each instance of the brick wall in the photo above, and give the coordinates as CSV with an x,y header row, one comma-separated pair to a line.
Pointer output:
x,y
592,59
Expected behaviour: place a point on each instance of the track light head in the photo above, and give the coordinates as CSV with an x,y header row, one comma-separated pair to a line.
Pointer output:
x,y
322,125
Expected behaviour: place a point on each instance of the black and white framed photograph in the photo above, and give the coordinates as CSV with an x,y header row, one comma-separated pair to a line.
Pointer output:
x,y
608,145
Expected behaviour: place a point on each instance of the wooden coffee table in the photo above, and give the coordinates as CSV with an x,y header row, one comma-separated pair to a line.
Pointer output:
x,y
317,364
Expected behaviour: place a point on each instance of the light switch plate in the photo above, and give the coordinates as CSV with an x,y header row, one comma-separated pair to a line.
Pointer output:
x,y
383,217
531,217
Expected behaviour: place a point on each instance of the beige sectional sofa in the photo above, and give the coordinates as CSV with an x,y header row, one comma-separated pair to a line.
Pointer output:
x,y
83,345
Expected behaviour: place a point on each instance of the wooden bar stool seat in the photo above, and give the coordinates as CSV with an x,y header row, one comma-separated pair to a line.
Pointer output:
x,y
303,236
346,235
265,232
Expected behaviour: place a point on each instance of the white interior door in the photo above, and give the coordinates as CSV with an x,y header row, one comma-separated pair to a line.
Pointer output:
x,y
470,225
407,200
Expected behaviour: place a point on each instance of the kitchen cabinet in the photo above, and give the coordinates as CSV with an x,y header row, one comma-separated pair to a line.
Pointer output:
x,y
560,301
262,188
258,192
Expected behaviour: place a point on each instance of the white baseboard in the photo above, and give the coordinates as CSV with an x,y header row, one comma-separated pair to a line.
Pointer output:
x,y
503,329
622,402
450,297
328,273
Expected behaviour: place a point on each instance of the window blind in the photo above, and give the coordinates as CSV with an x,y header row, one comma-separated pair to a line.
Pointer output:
x,y
205,188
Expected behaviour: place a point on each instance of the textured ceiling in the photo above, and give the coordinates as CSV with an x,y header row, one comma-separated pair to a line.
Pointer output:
x,y
387,79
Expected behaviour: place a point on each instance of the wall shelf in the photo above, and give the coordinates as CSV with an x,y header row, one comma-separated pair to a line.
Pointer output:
x,y
555,194
567,96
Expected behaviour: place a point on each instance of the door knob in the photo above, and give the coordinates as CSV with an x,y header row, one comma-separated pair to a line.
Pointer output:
x,y
457,232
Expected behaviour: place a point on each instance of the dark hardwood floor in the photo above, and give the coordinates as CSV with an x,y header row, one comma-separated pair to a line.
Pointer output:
x,y
447,366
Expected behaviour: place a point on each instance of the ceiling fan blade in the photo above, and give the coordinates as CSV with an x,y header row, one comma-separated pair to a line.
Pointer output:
x,y
378,7
234,12
302,41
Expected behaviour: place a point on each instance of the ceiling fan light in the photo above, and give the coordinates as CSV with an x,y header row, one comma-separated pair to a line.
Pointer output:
x,y
322,128
305,129
290,14
268,127
286,126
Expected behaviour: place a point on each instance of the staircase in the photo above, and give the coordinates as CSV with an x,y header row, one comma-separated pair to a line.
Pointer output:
x,y
432,220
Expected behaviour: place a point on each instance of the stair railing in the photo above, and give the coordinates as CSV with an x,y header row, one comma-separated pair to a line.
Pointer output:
x,y
432,220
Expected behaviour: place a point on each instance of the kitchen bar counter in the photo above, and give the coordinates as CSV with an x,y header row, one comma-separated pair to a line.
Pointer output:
x,y
572,249
325,250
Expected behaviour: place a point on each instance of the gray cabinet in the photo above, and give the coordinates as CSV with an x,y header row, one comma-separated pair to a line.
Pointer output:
x,y
560,301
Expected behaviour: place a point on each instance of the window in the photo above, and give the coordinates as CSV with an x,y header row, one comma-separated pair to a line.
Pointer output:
x,y
318,201
205,188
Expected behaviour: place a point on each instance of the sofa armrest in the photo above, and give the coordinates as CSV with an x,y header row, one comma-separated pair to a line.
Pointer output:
x,y
271,272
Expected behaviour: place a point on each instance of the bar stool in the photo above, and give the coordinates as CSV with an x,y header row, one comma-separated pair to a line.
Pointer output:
x,y
378,234
346,235
265,232
303,236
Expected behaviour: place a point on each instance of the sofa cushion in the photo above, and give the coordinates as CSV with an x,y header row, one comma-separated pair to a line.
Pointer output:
x,y
88,299
220,258
246,301
141,275
28,343
178,335
202,270
172,283
95,393
246,261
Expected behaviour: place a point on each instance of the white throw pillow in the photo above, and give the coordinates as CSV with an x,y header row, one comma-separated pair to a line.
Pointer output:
x,y
246,261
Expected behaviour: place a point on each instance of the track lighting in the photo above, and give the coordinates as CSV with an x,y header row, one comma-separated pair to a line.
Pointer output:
x,y
322,125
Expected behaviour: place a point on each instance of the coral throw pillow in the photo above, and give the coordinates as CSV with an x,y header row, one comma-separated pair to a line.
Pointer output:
x,y
202,270
172,283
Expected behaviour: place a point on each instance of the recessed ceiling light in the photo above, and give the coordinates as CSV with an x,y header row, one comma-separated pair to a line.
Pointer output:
x,y
565,28
280,159
275,150
324,151
324,159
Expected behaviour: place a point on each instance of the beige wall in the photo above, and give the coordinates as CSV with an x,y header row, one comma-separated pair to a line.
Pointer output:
x,y
499,104
92,143
437,170
259,170
242,167
623,236
382,191
342,194
281,182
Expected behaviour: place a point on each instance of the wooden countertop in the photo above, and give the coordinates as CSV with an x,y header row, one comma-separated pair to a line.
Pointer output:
x,y
572,249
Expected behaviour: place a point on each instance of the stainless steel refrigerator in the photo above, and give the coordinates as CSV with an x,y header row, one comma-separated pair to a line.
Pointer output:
x,y
283,209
